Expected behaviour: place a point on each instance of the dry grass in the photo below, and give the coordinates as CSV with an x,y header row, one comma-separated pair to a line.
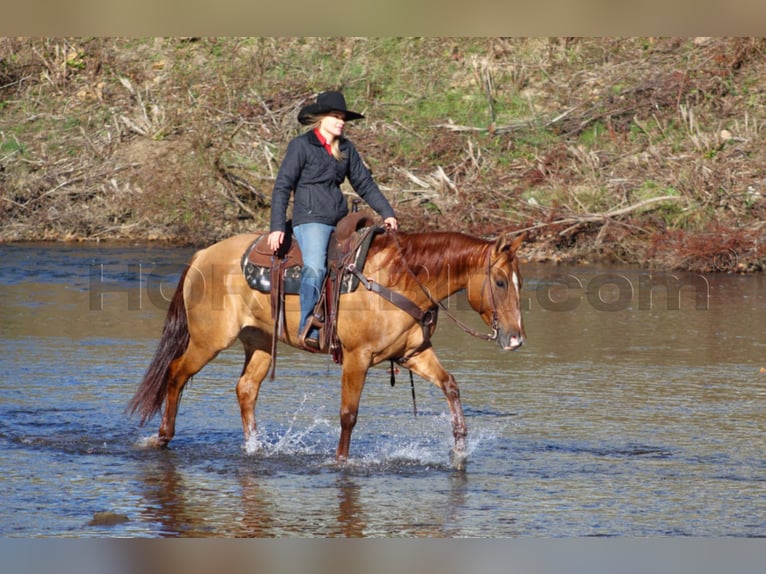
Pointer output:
x,y
645,151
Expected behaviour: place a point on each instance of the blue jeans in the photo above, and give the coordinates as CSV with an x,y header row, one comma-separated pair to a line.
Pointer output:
x,y
313,239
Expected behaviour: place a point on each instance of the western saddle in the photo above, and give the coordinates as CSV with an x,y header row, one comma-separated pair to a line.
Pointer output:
x,y
279,274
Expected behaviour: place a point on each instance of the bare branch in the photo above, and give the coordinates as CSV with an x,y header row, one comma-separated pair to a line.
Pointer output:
x,y
575,221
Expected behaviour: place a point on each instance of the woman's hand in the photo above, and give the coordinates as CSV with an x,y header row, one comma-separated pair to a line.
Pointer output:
x,y
275,240
391,223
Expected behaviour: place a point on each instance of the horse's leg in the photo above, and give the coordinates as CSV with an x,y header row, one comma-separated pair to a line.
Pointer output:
x,y
257,362
352,382
180,371
427,365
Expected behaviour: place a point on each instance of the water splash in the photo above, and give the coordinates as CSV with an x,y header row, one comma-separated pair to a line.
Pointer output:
x,y
424,442
295,438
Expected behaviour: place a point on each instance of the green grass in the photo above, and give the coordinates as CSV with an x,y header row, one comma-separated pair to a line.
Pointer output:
x,y
12,146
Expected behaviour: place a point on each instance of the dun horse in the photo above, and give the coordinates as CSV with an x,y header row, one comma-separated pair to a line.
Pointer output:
x,y
213,306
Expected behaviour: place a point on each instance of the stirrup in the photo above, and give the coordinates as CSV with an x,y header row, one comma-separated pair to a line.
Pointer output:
x,y
311,345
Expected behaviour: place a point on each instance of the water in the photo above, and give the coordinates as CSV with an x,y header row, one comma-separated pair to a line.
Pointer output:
x,y
616,418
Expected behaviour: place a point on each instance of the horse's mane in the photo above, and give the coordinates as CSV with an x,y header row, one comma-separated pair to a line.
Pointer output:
x,y
423,253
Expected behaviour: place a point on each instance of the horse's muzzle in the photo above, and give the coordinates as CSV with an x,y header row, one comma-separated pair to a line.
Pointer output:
x,y
510,341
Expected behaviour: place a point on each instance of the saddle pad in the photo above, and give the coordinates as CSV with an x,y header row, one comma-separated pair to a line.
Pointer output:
x,y
259,278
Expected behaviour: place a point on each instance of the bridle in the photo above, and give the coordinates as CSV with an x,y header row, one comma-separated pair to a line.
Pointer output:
x,y
488,282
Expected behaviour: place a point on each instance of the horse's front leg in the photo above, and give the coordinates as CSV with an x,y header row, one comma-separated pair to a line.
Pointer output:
x,y
427,365
352,382
257,362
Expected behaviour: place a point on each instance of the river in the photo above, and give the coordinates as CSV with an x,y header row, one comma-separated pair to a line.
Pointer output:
x,y
634,409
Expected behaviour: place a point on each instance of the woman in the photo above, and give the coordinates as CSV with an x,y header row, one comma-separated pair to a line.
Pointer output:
x,y
315,165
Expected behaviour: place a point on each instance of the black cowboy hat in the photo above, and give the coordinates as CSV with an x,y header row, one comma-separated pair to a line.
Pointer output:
x,y
327,102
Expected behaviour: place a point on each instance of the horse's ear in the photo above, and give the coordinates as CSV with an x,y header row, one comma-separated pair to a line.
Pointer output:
x,y
504,243
518,241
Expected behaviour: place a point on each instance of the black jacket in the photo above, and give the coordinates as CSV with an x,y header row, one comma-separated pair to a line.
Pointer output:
x,y
315,177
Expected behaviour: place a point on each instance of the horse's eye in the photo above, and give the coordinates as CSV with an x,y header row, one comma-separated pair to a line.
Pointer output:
x,y
501,283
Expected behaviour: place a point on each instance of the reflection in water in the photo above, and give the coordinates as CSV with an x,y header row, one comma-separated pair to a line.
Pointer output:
x,y
351,520
256,520
165,498
179,500
615,418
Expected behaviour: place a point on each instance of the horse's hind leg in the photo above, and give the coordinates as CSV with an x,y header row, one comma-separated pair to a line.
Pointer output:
x,y
257,362
180,371
427,365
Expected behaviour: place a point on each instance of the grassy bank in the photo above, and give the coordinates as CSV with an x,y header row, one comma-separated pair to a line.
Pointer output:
x,y
644,151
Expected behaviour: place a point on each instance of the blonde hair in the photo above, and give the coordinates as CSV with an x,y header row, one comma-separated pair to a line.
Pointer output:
x,y
313,122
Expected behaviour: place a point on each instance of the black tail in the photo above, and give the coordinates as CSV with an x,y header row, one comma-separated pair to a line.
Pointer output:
x,y
175,339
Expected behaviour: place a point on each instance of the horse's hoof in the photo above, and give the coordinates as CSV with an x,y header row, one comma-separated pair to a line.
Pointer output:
x,y
152,442
253,445
458,459
341,461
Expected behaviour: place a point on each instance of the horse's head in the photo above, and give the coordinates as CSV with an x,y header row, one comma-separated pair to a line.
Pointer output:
x,y
495,292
